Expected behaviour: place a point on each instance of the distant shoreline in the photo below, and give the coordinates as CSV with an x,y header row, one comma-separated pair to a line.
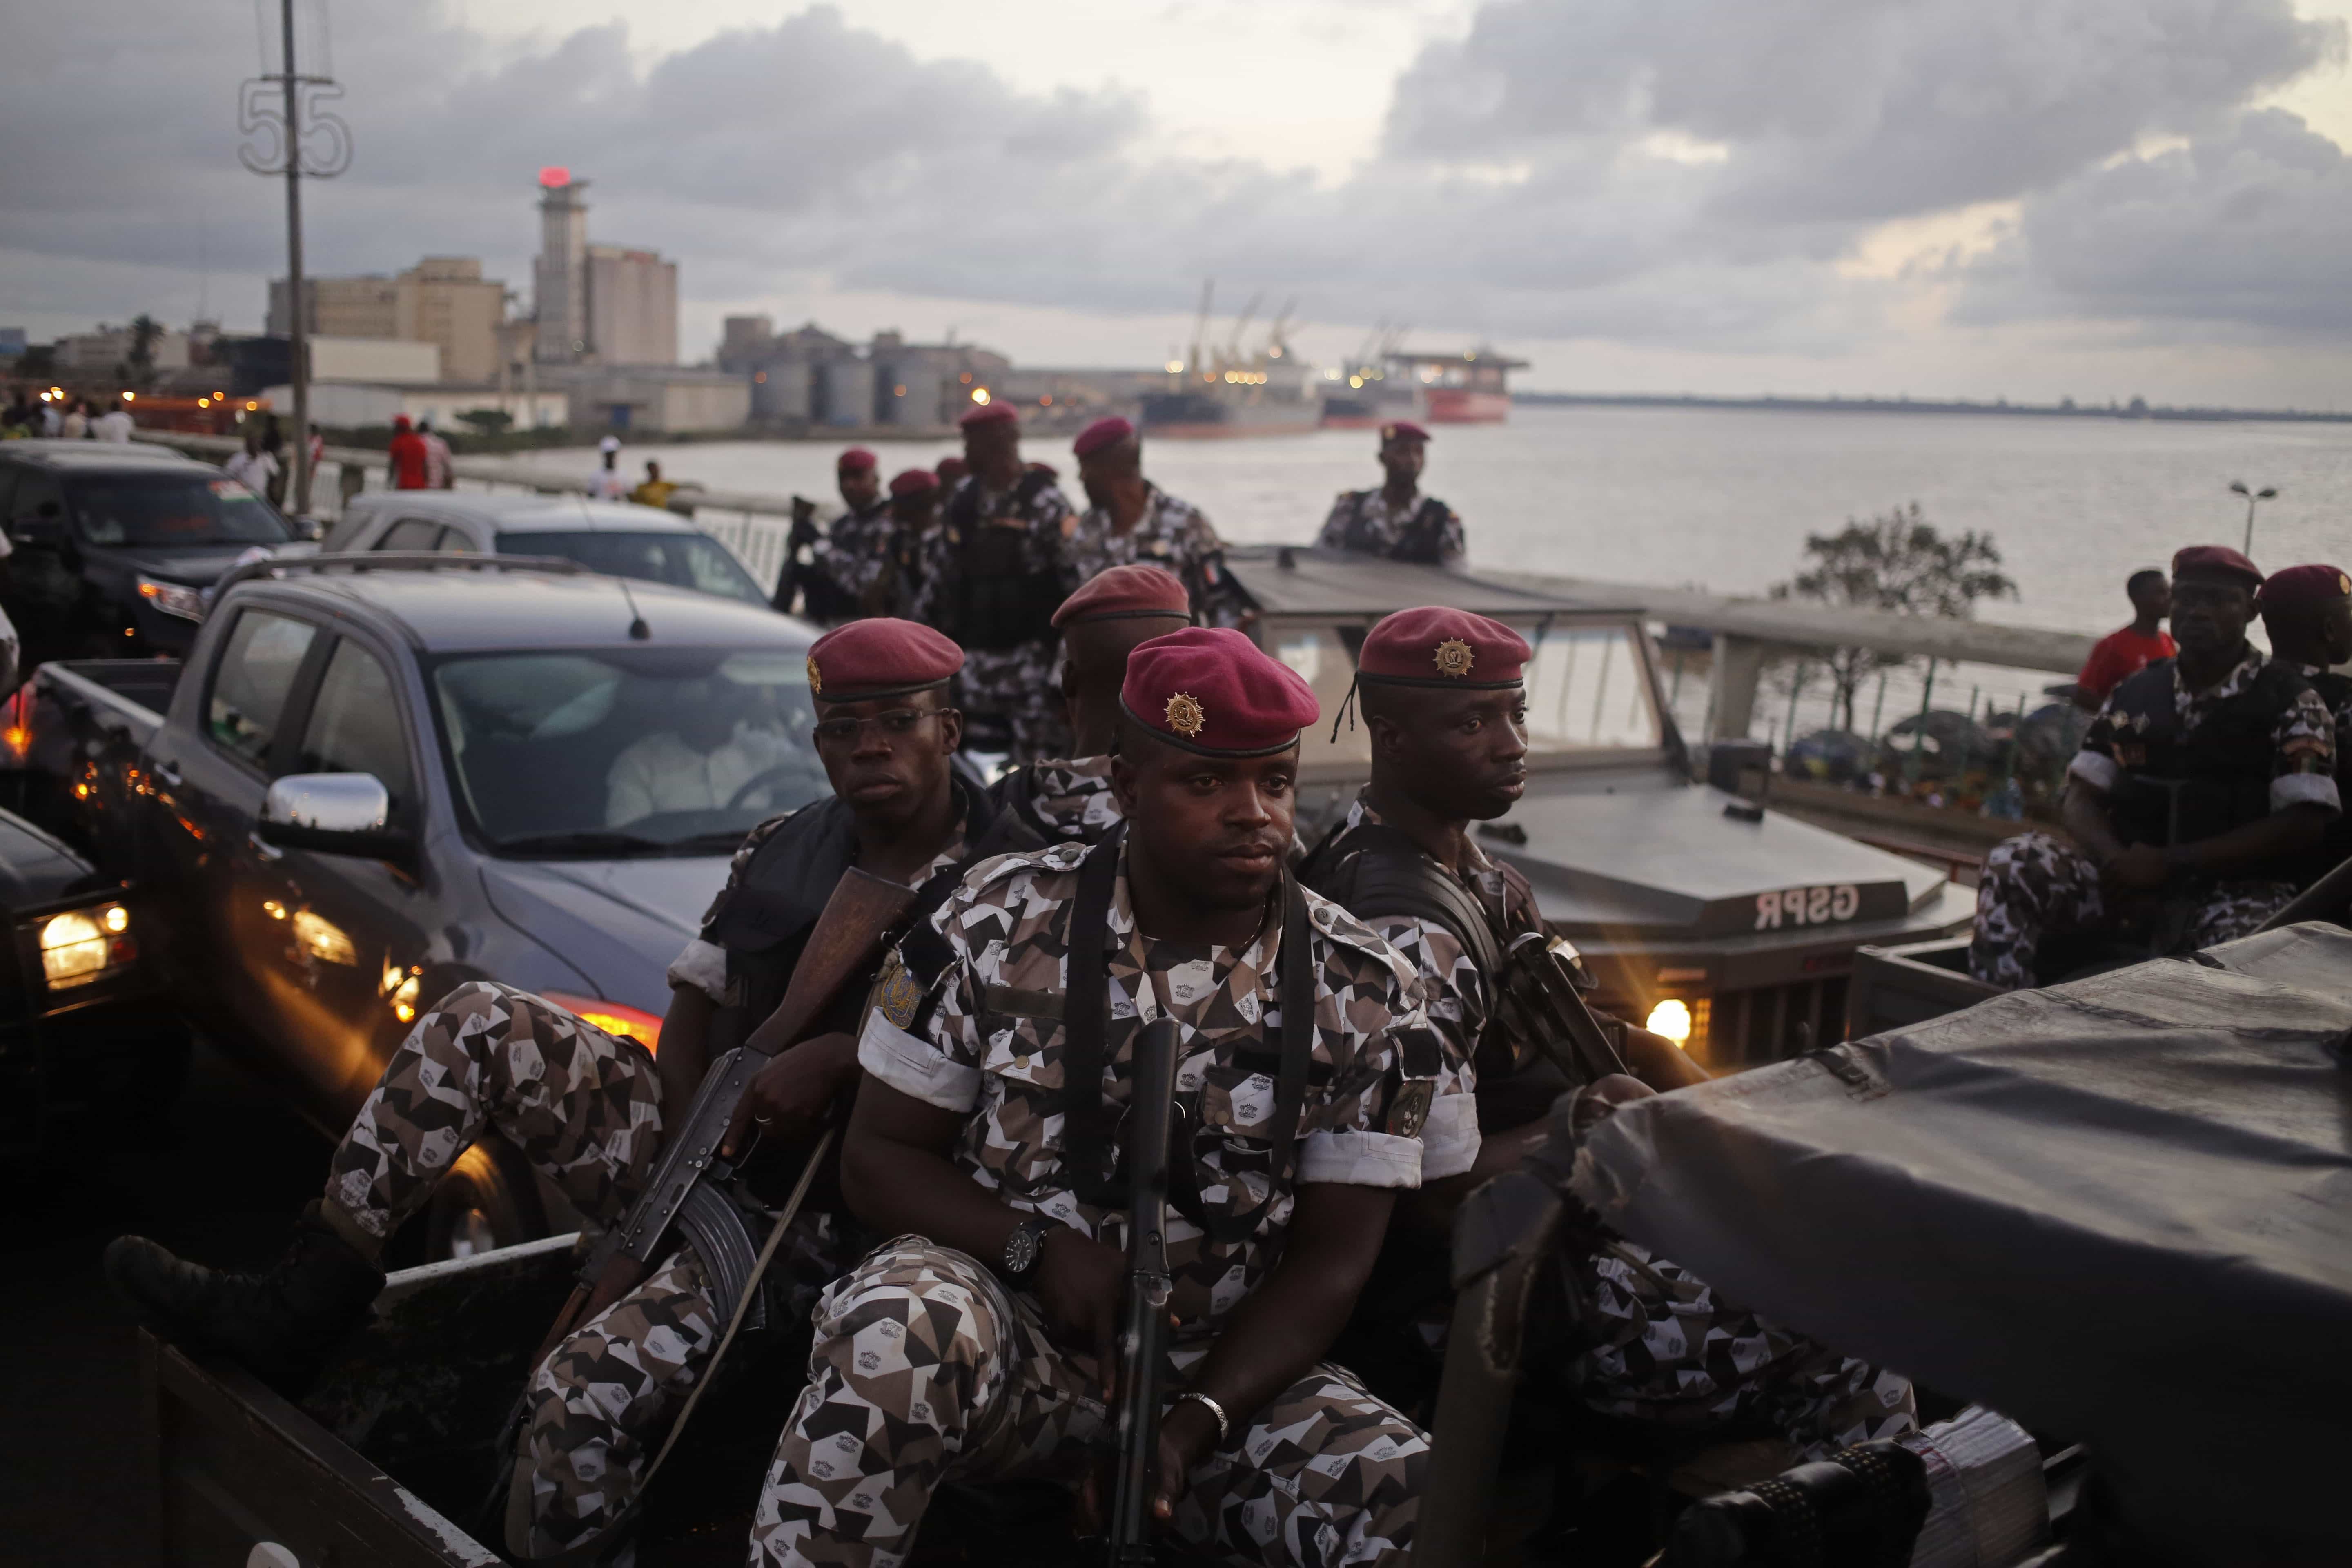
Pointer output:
x,y
2135,410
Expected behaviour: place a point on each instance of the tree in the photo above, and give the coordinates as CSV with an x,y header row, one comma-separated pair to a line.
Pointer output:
x,y
486,421
144,330
1899,563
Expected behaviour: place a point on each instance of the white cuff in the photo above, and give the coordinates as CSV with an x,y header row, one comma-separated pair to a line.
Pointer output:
x,y
1361,1159
2305,789
1449,1138
2099,771
703,965
915,1066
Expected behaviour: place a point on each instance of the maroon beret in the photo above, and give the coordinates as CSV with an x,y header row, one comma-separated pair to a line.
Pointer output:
x,y
1210,690
950,469
1047,470
988,414
2219,560
1402,430
1121,593
856,460
880,657
1434,646
2307,584
1102,433
913,481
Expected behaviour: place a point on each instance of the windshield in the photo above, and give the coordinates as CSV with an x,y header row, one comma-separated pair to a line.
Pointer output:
x,y
628,750
163,509
683,560
1588,690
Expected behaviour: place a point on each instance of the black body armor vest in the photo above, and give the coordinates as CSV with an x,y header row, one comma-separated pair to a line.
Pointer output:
x,y
1378,870
2187,787
1421,540
994,601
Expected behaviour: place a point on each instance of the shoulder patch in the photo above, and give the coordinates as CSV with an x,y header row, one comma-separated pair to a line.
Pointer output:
x,y
897,994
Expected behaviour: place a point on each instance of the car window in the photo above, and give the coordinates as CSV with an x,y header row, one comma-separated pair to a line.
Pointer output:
x,y
1589,690
410,533
172,508
355,726
256,669
32,492
683,560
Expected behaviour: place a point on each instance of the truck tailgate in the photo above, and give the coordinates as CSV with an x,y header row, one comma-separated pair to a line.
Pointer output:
x,y
236,1465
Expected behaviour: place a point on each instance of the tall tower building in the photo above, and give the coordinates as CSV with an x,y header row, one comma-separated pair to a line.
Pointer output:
x,y
561,280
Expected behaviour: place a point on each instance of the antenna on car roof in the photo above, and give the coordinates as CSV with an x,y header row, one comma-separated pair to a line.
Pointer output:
x,y
639,630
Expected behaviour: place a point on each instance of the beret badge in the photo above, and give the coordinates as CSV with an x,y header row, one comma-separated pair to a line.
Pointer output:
x,y
1184,715
816,681
1455,659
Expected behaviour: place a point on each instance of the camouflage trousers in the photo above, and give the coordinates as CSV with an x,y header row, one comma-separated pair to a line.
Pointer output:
x,y
2034,887
1020,687
1673,1352
926,1370
584,1108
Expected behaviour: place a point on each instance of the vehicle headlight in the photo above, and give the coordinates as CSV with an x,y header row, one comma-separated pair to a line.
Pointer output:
x,y
82,945
173,599
1671,1018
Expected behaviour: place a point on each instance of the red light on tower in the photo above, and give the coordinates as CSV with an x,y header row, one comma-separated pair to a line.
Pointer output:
x,y
555,176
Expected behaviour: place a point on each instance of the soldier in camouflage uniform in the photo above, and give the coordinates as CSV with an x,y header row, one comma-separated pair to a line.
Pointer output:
x,y
1070,797
993,574
1443,693
855,558
978,1349
1396,521
586,1108
1130,520
2308,610
2203,790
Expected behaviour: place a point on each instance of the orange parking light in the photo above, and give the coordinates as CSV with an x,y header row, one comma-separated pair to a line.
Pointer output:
x,y
613,1017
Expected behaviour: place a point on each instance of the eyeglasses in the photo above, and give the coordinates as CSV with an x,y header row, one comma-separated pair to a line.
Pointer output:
x,y
895,724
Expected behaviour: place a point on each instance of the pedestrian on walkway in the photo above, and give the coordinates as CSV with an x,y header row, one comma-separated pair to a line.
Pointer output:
x,y
407,454
76,423
656,490
607,483
273,446
254,468
436,457
2126,652
114,425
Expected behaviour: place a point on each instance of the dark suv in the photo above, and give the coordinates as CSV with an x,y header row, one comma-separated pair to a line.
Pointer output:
x,y
112,546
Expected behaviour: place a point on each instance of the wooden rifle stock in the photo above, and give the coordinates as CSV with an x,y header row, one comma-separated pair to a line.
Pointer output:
x,y
1129,1543
841,947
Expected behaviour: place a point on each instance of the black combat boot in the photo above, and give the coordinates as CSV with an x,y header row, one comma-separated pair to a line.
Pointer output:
x,y
280,1323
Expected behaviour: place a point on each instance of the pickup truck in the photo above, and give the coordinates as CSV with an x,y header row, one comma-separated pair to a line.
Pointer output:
x,y
112,546
1728,926
375,777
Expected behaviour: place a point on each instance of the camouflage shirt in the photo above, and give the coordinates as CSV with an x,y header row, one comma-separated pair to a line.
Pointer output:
x,y
1459,996
2303,742
1172,534
857,551
1369,520
1071,798
982,1037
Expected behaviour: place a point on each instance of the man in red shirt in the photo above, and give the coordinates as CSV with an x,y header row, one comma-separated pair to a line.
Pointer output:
x,y
409,455
2124,652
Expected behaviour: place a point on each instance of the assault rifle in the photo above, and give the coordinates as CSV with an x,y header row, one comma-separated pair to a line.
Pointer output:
x,y
1144,1338
1540,986
797,574
842,948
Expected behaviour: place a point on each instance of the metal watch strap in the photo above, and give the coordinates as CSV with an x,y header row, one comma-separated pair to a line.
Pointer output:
x,y
1224,1423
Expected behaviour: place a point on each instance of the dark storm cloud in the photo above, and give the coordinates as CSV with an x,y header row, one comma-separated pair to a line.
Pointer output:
x,y
1649,171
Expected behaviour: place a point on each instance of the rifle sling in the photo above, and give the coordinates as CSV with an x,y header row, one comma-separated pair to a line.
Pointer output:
x,y
1087,1119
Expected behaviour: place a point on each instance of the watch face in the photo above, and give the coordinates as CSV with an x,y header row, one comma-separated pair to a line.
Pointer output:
x,y
1021,1250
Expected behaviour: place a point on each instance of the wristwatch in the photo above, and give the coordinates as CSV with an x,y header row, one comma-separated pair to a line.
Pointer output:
x,y
1025,1249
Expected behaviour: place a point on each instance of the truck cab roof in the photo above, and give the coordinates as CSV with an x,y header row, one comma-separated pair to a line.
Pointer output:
x,y
486,604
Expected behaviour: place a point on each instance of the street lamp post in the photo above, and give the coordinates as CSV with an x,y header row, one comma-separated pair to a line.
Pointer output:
x,y
282,154
2254,498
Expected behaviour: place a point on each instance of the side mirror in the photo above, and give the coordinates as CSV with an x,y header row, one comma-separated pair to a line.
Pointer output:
x,y
307,526
334,813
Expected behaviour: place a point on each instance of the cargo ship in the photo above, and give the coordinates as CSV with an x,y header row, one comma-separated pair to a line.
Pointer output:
x,y
1470,388
1218,392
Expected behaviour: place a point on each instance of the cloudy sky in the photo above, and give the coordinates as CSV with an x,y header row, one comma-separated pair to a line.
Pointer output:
x,y
2028,198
